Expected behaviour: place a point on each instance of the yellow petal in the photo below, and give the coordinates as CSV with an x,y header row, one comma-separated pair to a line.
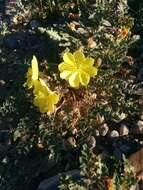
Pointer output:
x,y
93,72
84,78
54,98
29,72
43,109
42,82
51,107
36,101
89,61
37,87
45,100
65,74
29,82
79,57
66,66
40,86
35,70
74,80
45,87
40,102
68,58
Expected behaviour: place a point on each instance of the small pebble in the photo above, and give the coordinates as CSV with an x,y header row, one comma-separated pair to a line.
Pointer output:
x,y
96,132
114,133
2,82
134,187
140,75
5,160
124,130
74,131
103,129
34,24
71,141
141,117
91,142
139,128
81,31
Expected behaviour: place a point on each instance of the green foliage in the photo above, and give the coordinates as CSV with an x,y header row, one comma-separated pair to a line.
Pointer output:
x,y
91,169
136,10
107,21
3,28
36,139
95,175
68,183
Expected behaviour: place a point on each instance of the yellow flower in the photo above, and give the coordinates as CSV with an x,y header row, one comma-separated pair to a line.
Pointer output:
x,y
77,69
45,99
32,73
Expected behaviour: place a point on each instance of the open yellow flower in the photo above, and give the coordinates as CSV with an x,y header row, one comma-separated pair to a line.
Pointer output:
x,y
45,99
32,73
77,68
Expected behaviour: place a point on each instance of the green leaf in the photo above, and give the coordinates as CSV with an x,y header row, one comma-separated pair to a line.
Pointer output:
x,y
16,135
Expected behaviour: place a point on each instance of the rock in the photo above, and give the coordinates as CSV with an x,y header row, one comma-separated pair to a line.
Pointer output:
x,y
71,142
96,132
118,154
114,134
2,82
81,31
124,148
34,24
91,142
103,129
11,42
5,160
141,117
124,130
140,176
135,187
52,183
136,161
138,129
140,75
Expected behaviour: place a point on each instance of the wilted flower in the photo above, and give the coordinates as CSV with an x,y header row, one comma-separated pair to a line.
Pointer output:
x,y
77,69
45,99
